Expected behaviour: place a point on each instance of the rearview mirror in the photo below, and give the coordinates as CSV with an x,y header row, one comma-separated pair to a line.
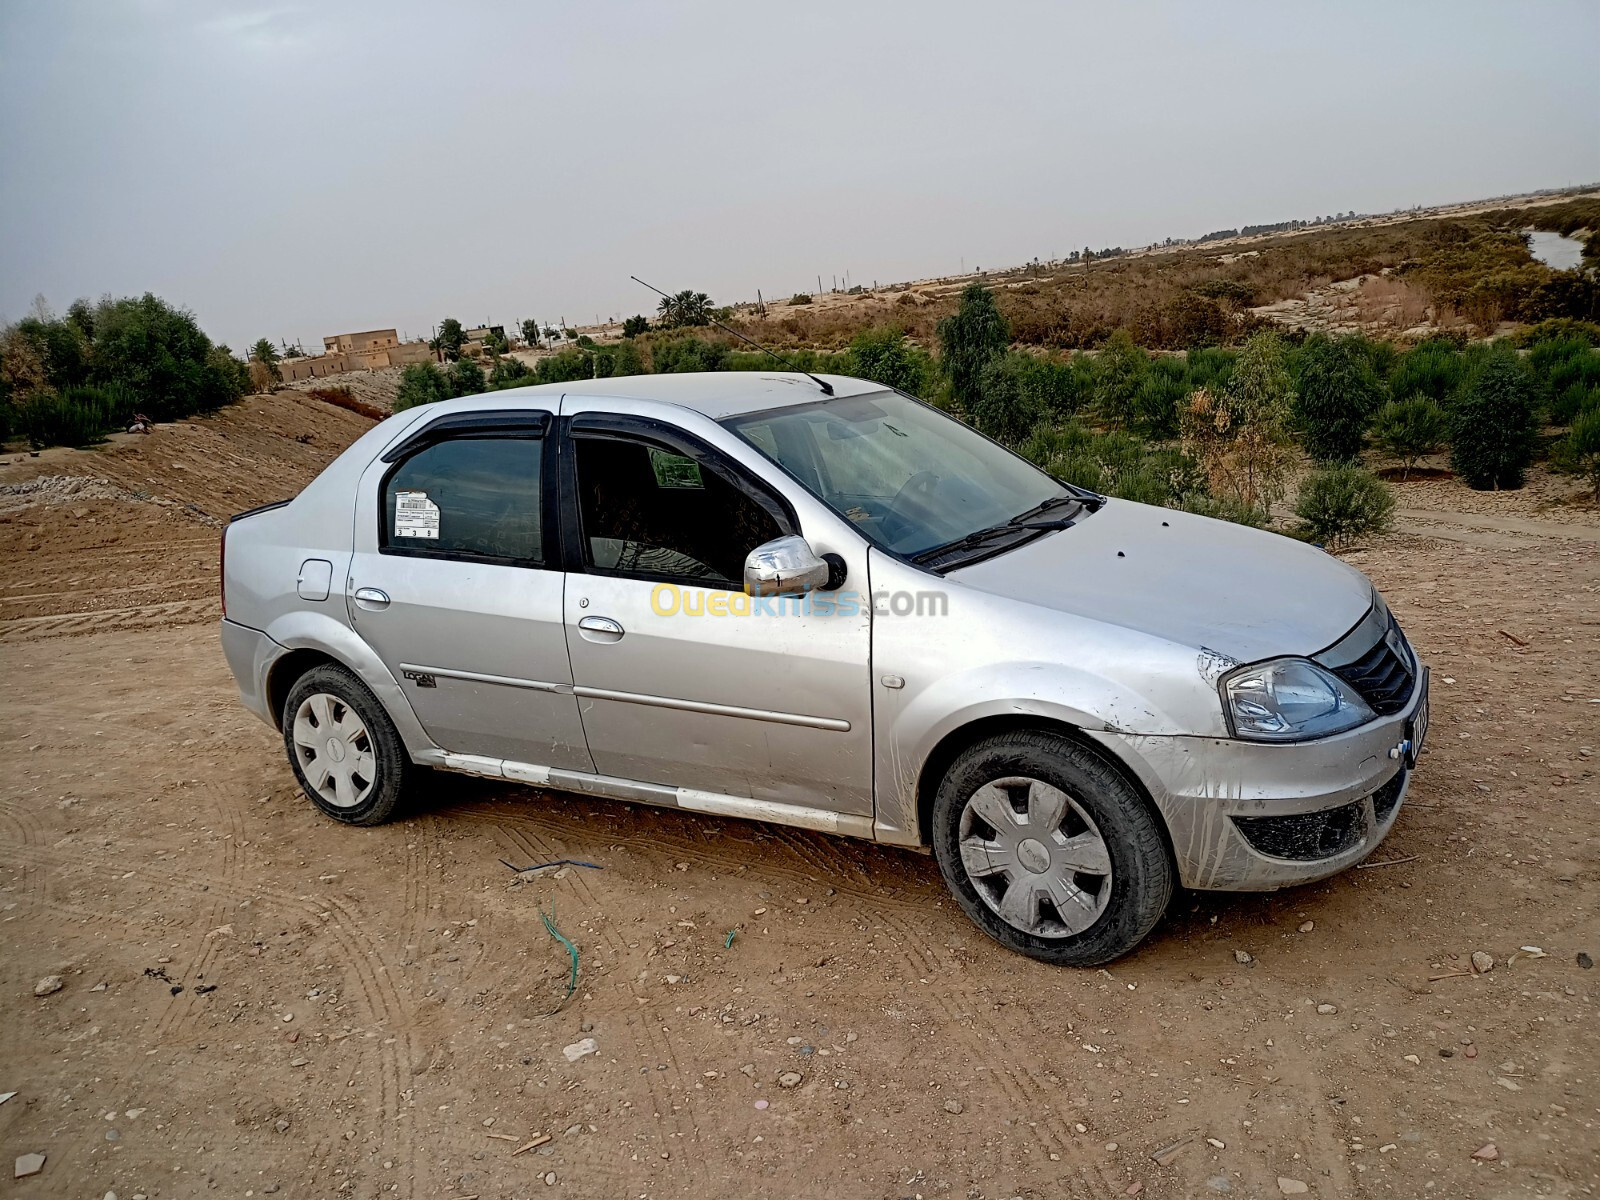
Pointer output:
x,y
785,566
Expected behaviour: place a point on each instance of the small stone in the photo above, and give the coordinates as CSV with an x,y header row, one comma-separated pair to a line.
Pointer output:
x,y
29,1164
1482,962
488,1122
1413,1060
549,1179
1291,1187
1220,1184
761,1104
1133,1189
109,1196
1111,1147
953,1107
1470,1052
281,1125
1584,960
1327,1010
298,1062
1216,1143
113,1136
49,985
1446,1052
1387,1148
1488,1152
1307,926
790,1079
578,1049
1243,958
748,1069
674,978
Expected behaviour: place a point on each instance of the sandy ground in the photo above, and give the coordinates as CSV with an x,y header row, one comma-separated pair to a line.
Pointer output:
x,y
255,1001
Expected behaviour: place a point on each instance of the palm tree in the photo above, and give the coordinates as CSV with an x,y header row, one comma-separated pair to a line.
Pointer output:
x,y
265,353
686,308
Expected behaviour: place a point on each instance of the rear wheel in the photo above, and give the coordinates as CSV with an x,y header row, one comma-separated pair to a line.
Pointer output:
x,y
345,751
1050,850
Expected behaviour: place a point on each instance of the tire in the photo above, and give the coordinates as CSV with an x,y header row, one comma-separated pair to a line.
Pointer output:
x,y
345,752
1089,887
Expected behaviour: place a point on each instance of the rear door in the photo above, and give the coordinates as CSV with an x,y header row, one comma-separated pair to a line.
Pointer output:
x,y
452,585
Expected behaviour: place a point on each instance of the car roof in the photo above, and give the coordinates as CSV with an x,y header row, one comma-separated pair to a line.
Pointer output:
x,y
715,394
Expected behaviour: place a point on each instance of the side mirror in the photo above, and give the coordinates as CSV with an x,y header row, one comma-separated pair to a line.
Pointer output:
x,y
786,566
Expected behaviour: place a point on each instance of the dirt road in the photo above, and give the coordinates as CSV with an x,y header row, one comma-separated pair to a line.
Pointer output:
x,y
255,1001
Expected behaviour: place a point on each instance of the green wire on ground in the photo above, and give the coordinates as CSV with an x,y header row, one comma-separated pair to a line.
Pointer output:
x,y
572,982
732,933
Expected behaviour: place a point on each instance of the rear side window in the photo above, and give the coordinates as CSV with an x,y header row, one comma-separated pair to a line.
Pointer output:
x,y
468,497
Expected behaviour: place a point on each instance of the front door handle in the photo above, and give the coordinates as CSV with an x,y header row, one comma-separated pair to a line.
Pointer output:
x,y
372,598
600,629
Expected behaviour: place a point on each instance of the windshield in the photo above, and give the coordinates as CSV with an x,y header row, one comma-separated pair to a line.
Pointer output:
x,y
909,477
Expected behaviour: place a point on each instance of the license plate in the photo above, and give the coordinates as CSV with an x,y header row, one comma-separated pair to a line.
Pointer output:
x,y
1419,722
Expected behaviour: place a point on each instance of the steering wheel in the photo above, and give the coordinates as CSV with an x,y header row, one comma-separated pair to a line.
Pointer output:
x,y
914,492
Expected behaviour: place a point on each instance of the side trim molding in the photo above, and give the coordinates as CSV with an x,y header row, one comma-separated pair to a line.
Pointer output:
x,y
832,724
531,685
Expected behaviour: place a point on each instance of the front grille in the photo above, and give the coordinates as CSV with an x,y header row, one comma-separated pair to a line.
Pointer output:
x,y
1384,674
1305,836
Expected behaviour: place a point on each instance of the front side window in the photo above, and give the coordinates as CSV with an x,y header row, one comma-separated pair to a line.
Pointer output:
x,y
468,497
908,476
649,512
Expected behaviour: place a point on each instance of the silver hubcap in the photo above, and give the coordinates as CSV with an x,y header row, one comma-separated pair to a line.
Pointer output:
x,y
335,750
1035,857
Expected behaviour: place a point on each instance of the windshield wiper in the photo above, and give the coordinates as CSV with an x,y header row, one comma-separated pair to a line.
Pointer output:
x,y
979,537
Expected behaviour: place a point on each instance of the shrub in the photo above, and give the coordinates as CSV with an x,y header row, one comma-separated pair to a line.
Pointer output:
x,y
420,383
466,378
1337,396
1408,429
885,356
799,298
1116,464
161,356
1492,425
635,325
1000,410
1557,328
1433,368
623,359
1160,392
1573,400
1582,447
75,416
509,372
1341,503
688,354
564,367
970,339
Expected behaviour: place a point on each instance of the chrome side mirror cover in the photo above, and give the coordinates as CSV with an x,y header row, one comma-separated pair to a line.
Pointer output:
x,y
785,566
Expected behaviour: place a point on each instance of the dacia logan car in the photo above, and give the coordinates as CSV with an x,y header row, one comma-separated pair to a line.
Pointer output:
x,y
821,602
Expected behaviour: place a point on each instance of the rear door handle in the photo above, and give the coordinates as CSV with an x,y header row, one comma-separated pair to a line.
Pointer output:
x,y
600,629
369,597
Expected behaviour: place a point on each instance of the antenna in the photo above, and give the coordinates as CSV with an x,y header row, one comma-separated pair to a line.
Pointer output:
x,y
827,388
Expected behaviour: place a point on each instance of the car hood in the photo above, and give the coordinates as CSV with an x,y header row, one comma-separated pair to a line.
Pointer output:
x,y
1209,584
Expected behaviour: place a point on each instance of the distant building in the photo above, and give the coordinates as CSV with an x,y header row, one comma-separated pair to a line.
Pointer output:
x,y
365,351
475,338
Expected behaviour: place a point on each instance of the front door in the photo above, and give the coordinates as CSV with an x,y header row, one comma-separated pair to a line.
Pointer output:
x,y
681,682
450,584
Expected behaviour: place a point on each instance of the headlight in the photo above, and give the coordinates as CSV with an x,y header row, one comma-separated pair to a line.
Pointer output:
x,y
1289,700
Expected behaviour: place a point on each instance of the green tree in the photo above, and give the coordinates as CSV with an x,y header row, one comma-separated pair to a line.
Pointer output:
x,y
689,353
495,343
530,331
1338,395
564,367
1239,433
1493,424
1408,429
635,325
1119,369
885,356
1002,409
421,383
620,359
970,339
686,308
450,338
160,355
509,372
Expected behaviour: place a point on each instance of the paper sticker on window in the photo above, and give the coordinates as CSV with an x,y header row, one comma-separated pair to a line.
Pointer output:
x,y
415,516
675,471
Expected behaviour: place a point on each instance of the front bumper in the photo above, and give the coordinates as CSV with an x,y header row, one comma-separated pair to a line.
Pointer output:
x,y
1250,816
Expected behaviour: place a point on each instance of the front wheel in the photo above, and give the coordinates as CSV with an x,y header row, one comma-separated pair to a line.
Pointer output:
x,y
1050,850
345,751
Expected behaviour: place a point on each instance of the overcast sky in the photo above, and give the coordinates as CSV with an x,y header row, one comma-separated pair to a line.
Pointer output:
x,y
294,170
